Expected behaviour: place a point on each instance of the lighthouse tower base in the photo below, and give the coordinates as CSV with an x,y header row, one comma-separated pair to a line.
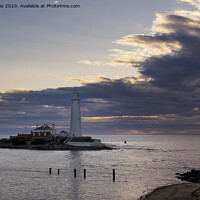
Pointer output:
x,y
84,142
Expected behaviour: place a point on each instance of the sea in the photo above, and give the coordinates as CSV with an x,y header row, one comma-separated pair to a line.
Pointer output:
x,y
144,163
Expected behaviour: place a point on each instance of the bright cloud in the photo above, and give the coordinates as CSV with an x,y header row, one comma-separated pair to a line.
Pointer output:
x,y
116,117
195,15
136,132
21,113
152,46
150,42
195,3
88,62
17,90
126,57
90,79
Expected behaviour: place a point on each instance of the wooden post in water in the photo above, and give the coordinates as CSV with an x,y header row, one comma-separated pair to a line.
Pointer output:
x,y
74,172
49,170
58,171
84,173
113,174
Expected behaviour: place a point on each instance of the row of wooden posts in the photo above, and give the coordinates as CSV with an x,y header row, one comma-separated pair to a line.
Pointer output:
x,y
84,173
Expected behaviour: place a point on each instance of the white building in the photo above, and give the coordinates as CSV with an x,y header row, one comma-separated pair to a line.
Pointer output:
x,y
44,131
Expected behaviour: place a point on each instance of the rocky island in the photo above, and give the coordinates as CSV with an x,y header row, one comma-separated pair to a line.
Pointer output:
x,y
46,137
55,143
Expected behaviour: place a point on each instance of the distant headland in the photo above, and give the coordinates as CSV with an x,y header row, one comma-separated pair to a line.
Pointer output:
x,y
46,137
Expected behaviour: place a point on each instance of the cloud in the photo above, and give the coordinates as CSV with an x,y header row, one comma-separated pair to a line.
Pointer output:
x,y
90,79
88,62
159,45
110,106
107,118
195,15
166,23
17,90
195,3
169,56
135,132
163,41
126,57
152,46
21,113
196,109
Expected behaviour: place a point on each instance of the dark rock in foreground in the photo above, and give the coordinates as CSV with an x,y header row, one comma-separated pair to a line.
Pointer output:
x,y
192,176
53,147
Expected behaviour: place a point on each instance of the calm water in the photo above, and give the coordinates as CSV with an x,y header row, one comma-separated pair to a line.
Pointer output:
x,y
143,164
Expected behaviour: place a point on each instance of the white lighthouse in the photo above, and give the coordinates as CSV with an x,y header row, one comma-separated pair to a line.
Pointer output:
x,y
75,121
75,139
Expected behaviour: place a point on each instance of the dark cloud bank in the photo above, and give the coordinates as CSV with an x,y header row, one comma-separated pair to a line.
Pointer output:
x,y
129,109
167,104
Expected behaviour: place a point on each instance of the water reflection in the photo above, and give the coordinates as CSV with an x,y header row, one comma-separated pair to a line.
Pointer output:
x,y
74,183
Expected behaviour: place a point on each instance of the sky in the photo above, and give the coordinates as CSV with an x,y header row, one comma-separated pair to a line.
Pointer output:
x,y
135,63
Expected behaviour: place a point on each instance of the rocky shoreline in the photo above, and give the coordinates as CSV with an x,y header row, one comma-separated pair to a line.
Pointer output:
x,y
184,191
192,176
57,147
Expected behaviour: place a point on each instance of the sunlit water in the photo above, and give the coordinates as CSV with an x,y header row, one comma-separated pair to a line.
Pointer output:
x,y
142,164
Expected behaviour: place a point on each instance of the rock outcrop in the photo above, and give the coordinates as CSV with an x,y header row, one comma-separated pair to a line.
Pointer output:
x,y
192,176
